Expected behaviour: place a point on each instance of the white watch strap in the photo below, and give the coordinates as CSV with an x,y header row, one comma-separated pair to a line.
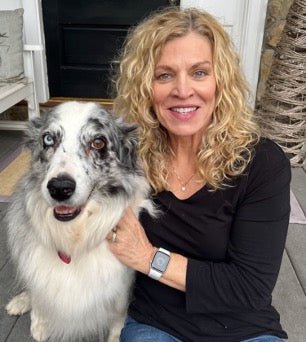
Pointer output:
x,y
164,251
153,273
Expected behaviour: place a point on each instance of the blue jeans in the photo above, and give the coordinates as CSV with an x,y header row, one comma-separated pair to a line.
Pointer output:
x,y
138,332
134,331
264,338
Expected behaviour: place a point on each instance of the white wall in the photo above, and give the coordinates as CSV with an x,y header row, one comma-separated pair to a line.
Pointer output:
x,y
244,20
10,4
33,35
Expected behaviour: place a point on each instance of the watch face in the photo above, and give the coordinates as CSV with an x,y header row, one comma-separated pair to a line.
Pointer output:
x,y
160,261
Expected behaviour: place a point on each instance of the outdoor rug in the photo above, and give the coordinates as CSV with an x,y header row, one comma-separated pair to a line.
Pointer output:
x,y
12,168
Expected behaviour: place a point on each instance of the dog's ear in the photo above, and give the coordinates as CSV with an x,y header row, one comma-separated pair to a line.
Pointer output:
x,y
129,141
31,137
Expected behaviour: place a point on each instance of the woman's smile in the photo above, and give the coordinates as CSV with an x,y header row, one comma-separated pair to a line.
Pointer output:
x,y
184,113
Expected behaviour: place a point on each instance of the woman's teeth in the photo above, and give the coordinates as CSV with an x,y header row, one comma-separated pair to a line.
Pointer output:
x,y
184,110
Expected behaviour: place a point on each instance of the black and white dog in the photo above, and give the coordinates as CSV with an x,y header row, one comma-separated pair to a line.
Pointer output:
x,y
83,175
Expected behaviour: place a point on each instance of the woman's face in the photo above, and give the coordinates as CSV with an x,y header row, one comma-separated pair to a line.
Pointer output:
x,y
184,86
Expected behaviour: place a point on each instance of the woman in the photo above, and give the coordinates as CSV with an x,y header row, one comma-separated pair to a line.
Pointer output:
x,y
222,190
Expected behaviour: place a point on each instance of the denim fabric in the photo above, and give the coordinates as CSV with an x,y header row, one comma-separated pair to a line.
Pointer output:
x,y
134,331
138,332
264,338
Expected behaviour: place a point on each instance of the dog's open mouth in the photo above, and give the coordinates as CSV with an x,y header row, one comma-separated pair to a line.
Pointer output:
x,y
65,213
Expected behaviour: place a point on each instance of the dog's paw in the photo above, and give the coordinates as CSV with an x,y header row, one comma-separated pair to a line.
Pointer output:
x,y
114,333
38,328
38,332
19,305
113,338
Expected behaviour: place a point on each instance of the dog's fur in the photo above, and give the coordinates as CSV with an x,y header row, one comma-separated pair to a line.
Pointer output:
x,y
84,165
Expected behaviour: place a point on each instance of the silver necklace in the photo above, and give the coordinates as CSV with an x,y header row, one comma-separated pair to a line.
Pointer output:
x,y
183,185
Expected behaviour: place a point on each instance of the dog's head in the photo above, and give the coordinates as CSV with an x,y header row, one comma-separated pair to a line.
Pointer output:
x,y
80,151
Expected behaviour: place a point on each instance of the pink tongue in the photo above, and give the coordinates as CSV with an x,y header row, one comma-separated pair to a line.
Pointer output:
x,y
63,209
65,258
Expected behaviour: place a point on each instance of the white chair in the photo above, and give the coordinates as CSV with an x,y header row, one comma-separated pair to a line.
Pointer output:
x,y
24,89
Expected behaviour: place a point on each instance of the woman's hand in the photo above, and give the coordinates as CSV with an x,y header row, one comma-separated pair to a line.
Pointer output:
x,y
131,245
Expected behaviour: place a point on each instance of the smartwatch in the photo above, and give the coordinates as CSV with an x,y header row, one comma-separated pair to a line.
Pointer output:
x,y
159,263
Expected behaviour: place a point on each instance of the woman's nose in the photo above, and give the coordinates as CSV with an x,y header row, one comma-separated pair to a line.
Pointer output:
x,y
182,87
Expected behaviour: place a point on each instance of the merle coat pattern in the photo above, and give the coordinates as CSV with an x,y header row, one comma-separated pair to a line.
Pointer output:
x,y
83,175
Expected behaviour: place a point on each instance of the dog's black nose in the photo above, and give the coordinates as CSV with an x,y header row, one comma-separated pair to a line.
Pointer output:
x,y
61,187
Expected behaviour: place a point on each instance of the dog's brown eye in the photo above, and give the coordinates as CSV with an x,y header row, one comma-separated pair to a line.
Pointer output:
x,y
98,144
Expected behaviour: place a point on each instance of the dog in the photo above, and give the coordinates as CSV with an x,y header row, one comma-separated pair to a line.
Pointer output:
x,y
83,175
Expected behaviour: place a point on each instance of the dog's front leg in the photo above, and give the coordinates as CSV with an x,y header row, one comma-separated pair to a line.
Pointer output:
x,y
118,319
38,326
20,304
115,329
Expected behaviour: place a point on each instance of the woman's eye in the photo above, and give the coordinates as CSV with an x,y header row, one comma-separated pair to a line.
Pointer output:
x,y
98,144
163,77
48,140
200,73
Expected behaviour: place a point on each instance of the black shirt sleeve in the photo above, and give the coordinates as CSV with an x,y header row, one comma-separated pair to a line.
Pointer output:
x,y
257,239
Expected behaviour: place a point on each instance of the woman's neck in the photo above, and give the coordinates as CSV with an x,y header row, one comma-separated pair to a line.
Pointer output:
x,y
184,150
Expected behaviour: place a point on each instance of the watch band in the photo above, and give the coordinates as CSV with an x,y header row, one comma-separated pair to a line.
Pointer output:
x,y
163,250
154,273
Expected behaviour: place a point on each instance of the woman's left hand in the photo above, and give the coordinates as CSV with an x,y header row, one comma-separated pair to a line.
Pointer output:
x,y
131,245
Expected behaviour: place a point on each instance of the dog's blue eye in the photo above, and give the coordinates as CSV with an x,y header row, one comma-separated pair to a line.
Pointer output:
x,y
48,140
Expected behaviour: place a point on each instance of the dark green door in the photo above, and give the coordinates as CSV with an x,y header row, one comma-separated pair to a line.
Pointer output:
x,y
82,38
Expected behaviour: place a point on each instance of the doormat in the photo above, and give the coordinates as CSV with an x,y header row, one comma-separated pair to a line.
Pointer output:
x,y
11,171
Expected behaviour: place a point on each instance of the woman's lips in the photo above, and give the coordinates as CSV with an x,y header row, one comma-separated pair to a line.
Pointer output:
x,y
183,113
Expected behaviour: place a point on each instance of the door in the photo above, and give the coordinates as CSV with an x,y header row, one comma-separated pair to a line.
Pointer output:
x,y
82,38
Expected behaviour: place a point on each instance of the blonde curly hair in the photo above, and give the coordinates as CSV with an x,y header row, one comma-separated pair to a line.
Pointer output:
x,y
227,144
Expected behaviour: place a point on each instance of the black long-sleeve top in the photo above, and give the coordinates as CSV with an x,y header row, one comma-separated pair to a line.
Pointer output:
x,y
234,240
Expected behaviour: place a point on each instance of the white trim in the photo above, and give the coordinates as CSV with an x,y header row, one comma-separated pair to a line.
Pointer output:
x,y
251,42
34,35
10,125
244,20
25,89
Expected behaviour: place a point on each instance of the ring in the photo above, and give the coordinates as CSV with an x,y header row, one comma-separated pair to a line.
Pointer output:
x,y
114,237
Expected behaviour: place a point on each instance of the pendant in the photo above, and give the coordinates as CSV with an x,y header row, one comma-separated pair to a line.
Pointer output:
x,y
183,188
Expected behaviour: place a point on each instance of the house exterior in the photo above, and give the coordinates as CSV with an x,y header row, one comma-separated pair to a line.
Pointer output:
x,y
244,20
